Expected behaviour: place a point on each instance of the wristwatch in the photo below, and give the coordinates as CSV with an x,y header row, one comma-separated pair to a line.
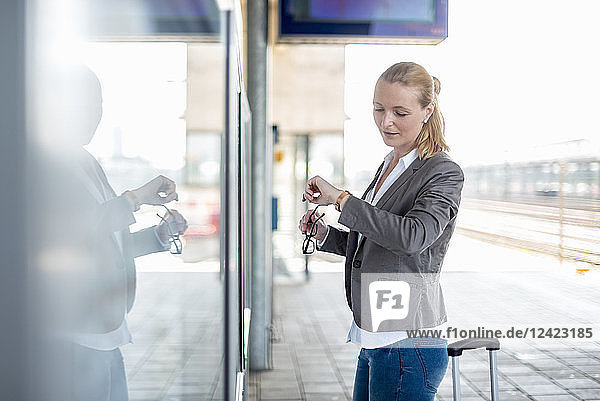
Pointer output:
x,y
133,200
340,199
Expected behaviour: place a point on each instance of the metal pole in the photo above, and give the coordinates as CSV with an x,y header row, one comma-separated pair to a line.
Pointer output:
x,y
262,156
306,177
455,378
561,210
494,374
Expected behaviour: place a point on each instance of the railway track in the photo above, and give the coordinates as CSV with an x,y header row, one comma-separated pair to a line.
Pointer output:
x,y
570,233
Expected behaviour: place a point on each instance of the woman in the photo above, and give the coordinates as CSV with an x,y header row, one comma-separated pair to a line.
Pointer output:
x,y
401,225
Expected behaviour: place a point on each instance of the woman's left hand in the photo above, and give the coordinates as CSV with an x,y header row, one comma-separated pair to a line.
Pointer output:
x,y
175,224
319,191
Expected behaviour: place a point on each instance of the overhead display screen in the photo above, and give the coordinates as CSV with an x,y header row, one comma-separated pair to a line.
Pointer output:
x,y
423,21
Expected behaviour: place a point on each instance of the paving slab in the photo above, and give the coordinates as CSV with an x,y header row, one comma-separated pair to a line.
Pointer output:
x,y
177,342
529,370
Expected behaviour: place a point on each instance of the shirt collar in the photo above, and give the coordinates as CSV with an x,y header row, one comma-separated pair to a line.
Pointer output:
x,y
406,160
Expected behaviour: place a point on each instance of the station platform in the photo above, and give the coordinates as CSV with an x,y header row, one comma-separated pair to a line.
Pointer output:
x,y
178,338
313,362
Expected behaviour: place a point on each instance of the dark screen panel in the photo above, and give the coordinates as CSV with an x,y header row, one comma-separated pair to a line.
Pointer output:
x,y
359,18
371,11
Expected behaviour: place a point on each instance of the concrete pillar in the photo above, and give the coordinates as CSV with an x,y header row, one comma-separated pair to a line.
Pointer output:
x,y
262,151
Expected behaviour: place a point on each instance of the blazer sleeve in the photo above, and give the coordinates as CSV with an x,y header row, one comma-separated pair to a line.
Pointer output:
x,y
114,215
436,204
336,242
145,242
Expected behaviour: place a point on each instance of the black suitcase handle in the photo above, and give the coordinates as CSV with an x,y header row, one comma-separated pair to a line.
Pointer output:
x,y
457,348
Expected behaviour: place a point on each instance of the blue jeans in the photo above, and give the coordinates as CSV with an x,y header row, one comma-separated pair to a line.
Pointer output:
x,y
409,370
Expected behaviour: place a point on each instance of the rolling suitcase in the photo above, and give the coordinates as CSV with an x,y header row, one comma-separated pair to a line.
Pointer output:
x,y
456,349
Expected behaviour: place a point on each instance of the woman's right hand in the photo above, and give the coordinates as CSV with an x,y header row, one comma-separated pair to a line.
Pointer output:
x,y
158,191
306,225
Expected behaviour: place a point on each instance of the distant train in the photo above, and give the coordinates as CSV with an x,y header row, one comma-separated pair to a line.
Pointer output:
x,y
577,177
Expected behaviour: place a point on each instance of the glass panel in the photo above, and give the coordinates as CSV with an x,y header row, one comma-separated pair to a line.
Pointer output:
x,y
122,127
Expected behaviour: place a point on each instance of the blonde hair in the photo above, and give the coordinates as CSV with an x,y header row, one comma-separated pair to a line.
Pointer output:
x,y
430,140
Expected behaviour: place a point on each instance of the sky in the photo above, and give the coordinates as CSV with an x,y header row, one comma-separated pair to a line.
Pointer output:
x,y
515,76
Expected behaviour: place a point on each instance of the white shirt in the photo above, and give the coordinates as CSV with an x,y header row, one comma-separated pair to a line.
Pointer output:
x,y
106,341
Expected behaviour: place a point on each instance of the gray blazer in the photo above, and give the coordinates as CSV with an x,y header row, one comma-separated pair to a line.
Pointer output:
x,y
98,286
405,234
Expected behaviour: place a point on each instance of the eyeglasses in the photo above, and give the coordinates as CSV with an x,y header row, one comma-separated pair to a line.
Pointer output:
x,y
309,245
176,245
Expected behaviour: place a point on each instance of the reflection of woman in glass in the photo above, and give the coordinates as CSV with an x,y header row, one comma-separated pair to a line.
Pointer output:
x,y
100,249
401,225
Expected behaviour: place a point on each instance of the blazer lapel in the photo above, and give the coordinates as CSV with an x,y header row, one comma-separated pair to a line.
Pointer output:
x,y
414,166
353,240
90,184
95,180
372,184
109,193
